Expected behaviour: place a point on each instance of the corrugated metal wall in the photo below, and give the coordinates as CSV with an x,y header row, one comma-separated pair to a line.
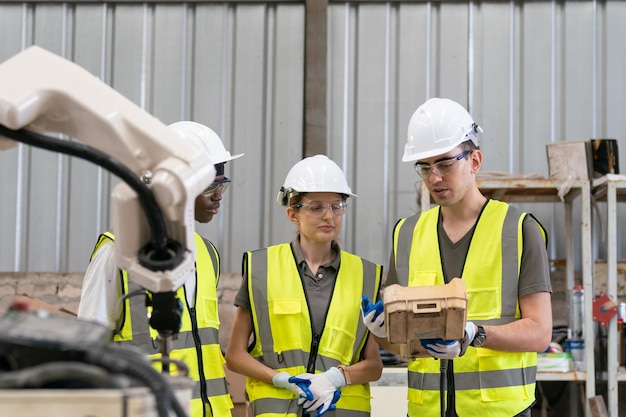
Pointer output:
x,y
531,73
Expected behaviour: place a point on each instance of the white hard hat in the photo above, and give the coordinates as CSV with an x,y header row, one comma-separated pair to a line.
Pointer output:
x,y
438,126
313,174
205,139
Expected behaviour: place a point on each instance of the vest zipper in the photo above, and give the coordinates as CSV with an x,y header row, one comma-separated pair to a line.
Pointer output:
x,y
315,344
196,338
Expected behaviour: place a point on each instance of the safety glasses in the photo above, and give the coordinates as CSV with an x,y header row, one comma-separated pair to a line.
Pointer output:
x,y
319,208
216,187
440,168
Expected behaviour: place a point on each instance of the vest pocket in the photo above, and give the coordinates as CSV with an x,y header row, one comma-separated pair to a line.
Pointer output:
x,y
286,321
335,340
210,316
423,278
484,303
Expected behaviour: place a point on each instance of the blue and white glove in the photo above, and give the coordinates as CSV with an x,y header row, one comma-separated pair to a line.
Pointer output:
x,y
470,334
324,389
373,317
450,349
281,380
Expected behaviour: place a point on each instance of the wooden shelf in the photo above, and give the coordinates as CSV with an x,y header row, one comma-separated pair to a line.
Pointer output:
x,y
599,187
611,189
520,190
561,376
526,190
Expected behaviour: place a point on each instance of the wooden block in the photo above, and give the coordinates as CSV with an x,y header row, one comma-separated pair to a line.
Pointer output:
x,y
570,160
598,409
600,278
34,304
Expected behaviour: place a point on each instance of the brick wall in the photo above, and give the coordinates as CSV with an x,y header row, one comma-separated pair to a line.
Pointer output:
x,y
63,290
58,289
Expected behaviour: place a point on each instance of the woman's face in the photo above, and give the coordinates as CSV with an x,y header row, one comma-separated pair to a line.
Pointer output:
x,y
319,216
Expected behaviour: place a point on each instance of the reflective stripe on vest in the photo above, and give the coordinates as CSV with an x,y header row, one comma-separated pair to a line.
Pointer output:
x,y
283,330
263,408
135,331
488,382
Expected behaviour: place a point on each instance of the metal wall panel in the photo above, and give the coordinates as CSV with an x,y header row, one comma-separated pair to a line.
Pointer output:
x,y
531,73
12,170
231,66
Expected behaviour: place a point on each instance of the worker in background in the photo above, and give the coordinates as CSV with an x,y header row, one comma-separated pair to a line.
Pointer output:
x,y
500,253
309,349
197,344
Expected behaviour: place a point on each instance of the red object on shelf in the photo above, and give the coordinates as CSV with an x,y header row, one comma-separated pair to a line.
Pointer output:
x,y
604,309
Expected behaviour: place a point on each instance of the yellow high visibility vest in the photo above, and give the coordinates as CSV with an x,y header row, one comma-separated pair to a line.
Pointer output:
x,y
284,338
197,344
488,383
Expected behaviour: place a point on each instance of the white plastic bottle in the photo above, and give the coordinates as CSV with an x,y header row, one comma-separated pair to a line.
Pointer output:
x,y
577,312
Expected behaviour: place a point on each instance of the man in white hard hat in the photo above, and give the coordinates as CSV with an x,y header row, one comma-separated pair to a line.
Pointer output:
x,y
500,253
197,344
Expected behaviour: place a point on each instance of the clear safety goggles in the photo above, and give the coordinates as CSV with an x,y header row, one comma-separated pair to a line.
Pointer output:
x,y
216,187
440,168
319,208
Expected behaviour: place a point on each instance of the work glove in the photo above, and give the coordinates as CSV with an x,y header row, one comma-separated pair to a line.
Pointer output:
x,y
324,389
373,316
281,380
470,334
450,349
442,349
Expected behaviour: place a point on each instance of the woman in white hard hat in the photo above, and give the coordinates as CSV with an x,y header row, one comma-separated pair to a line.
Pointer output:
x,y
309,351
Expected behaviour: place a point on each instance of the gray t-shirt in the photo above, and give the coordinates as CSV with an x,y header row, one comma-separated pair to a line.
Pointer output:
x,y
534,271
318,287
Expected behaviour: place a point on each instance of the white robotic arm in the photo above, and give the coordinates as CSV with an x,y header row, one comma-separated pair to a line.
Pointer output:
x,y
43,93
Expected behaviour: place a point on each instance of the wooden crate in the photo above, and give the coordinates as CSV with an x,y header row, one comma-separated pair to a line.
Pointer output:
x,y
414,313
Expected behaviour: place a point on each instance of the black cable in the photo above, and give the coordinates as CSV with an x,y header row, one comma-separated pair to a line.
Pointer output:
x,y
163,253
181,367
451,403
119,323
45,352
133,363
443,370
447,391
101,368
59,373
